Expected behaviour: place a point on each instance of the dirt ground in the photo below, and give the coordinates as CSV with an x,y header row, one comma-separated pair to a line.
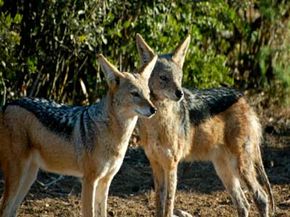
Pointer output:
x,y
200,192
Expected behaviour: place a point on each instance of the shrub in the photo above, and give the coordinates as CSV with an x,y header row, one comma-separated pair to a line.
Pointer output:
x,y
49,47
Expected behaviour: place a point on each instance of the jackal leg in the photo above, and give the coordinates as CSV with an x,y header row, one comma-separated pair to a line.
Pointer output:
x,y
230,178
248,174
101,196
15,174
30,177
181,213
88,196
159,186
170,183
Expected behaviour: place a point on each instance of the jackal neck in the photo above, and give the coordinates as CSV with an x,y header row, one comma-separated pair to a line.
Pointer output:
x,y
168,111
121,120
165,105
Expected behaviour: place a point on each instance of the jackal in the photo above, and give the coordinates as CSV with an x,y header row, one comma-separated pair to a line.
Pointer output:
x,y
85,141
216,125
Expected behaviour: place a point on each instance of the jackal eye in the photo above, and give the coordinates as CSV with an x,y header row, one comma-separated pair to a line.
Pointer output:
x,y
163,78
135,94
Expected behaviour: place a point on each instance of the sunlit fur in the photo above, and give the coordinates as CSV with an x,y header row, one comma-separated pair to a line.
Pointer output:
x,y
216,125
89,142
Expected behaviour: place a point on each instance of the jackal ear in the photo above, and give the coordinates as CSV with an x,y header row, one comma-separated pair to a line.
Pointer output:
x,y
146,69
180,52
112,74
145,52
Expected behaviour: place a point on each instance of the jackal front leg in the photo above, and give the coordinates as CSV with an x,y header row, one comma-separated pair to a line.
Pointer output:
x,y
170,182
181,213
159,186
101,196
88,196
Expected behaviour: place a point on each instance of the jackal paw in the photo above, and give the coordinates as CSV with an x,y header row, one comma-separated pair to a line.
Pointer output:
x,y
181,213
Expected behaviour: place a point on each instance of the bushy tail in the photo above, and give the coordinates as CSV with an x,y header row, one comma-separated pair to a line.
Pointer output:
x,y
256,133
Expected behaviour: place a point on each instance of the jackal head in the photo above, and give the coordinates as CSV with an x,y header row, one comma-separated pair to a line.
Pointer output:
x,y
130,91
165,81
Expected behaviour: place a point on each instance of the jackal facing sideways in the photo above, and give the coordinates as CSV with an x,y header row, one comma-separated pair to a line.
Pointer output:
x,y
89,142
216,125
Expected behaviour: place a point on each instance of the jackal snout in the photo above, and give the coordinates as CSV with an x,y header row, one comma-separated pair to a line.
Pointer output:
x,y
146,108
179,94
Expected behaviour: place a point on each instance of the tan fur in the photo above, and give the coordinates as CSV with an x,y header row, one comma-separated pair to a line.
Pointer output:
x,y
230,140
27,145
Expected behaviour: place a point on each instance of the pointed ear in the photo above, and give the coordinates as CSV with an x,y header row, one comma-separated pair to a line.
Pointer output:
x,y
145,52
147,69
112,74
180,52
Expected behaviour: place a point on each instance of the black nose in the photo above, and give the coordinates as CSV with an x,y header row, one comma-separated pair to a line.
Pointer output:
x,y
153,110
178,94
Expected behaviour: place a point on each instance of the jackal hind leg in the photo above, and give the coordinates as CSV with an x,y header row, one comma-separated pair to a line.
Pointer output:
x,y
227,172
248,174
159,186
30,177
15,186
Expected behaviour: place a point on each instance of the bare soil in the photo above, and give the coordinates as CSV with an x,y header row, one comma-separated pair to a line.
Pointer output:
x,y
200,192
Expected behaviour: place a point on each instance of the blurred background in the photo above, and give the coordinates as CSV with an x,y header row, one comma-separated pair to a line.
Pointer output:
x,y
48,47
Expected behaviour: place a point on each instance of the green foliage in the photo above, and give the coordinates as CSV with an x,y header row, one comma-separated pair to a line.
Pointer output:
x,y
207,70
48,48
10,39
281,66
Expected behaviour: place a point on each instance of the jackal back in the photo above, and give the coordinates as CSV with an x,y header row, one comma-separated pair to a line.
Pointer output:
x,y
206,103
63,119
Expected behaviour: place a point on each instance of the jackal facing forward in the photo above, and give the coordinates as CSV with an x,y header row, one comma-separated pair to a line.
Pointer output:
x,y
88,142
216,125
